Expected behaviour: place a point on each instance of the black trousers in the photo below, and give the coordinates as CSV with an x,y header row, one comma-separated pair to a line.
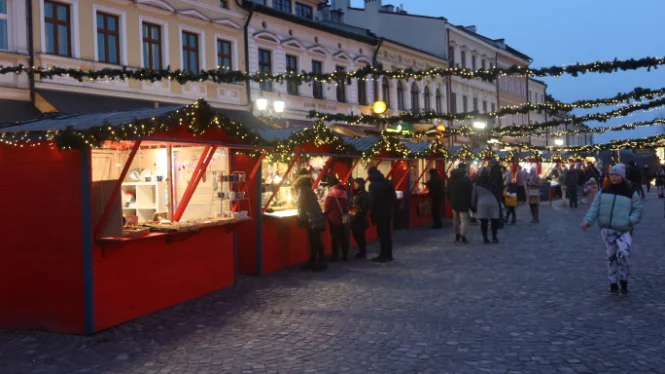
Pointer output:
x,y
339,241
385,238
510,211
360,238
495,227
572,196
315,247
436,211
521,194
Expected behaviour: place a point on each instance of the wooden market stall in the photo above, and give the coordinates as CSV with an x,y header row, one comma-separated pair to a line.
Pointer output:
x,y
117,215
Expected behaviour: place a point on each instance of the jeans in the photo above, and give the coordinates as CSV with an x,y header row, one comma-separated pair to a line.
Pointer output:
x,y
436,211
535,212
339,241
572,195
361,239
510,211
521,194
460,222
315,247
483,227
385,238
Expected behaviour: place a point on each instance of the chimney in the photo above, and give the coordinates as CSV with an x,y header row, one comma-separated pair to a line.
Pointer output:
x,y
340,4
373,6
388,8
471,28
501,43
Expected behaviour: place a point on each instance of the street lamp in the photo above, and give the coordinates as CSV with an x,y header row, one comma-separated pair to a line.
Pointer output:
x,y
379,107
558,142
275,112
479,125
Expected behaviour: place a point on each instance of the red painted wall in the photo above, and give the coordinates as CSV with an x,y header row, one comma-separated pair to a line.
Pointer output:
x,y
41,273
416,219
284,244
247,232
147,275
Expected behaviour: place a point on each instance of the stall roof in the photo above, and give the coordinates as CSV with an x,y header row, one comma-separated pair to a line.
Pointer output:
x,y
416,147
362,144
81,103
278,134
59,121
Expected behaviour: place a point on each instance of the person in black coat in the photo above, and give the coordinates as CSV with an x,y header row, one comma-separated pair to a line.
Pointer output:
x,y
310,217
460,191
634,175
381,205
360,216
496,178
435,187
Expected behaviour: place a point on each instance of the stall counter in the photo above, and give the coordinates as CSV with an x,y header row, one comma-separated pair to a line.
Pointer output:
x,y
417,216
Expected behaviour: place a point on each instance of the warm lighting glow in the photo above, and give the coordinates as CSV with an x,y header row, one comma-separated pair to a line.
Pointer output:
x,y
279,105
558,142
379,107
261,103
479,125
276,179
441,128
493,141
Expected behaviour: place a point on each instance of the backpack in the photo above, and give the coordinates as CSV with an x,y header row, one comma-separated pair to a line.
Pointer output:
x,y
391,194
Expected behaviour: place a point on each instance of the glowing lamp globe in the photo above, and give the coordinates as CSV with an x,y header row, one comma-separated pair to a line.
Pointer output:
x,y
558,142
479,125
261,103
441,128
379,107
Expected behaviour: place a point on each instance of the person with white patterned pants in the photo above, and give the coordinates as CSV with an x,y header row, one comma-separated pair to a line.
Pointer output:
x,y
618,254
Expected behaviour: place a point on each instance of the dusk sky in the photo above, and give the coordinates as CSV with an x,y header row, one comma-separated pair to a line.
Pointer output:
x,y
568,31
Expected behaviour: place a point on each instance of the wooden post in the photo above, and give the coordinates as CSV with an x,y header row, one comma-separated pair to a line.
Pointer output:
x,y
201,167
280,183
353,167
323,172
429,162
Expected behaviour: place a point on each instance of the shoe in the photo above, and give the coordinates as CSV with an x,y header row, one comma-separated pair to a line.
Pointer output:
x,y
486,241
495,241
624,287
380,259
361,256
614,289
307,267
389,258
464,241
457,238
334,259
319,268
345,258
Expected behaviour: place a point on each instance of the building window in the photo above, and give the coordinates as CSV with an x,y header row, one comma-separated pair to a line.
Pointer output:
x,y
484,106
304,11
451,55
223,4
190,52
463,59
465,104
292,67
475,104
531,96
385,88
282,5
224,55
4,29
152,46
362,92
415,98
108,45
317,87
482,64
265,66
453,103
427,105
400,96
493,119
58,29
542,98
439,101
341,87
473,62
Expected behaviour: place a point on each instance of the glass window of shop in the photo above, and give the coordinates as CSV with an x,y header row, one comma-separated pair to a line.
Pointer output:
x,y
147,189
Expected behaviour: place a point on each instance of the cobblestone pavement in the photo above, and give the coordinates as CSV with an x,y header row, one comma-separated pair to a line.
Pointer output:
x,y
537,302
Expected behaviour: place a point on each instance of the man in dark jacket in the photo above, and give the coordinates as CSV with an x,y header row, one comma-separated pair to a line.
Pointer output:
x,y
496,177
435,187
634,176
381,207
591,172
572,179
460,190
310,217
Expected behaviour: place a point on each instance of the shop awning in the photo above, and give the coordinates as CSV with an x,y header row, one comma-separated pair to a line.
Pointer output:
x,y
416,147
59,121
278,135
12,111
246,118
362,144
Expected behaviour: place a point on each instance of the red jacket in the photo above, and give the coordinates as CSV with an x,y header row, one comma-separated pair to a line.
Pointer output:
x,y
330,207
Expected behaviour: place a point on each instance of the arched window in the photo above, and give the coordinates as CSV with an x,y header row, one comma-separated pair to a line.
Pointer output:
x,y
362,92
428,98
415,98
400,96
439,101
385,87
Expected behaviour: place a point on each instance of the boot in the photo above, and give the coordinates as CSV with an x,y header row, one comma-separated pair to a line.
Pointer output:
x,y
614,289
464,241
624,287
457,238
361,255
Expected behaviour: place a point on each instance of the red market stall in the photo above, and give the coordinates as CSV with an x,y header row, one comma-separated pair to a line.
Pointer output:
x,y
429,155
279,242
132,212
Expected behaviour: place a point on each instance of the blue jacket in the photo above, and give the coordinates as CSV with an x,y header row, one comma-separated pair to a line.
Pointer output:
x,y
379,204
617,207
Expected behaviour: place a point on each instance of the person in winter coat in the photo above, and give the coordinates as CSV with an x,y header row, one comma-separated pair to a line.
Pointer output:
x,y
507,176
521,185
533,188
647,177
571,186
485,205
381,205
660,182
617,209
359,216
591,189
510,198
564,186
634,176
310,217
336,206
496,175
591,172
435,188
460,190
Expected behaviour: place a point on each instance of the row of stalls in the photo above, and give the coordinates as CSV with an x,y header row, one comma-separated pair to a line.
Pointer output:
x,y
109,217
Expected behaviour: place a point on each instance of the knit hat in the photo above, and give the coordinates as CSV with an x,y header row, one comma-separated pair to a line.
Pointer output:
x,y
619,169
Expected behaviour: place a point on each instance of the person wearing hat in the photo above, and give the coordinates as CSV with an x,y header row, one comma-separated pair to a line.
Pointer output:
x,y
359,216
617,209
435,188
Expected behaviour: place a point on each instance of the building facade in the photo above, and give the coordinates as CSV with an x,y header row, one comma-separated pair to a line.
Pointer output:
x,y
536,93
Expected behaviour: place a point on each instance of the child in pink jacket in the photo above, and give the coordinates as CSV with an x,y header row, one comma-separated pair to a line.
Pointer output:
x,y
591,189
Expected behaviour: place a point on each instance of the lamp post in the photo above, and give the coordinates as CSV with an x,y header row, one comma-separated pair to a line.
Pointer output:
x,y
274,112
480,126
558,142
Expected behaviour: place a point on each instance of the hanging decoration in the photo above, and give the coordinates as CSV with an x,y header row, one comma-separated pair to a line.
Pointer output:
x,y
465,153
368,72
435,150
557,158
584,130
487,154
388,143
318,135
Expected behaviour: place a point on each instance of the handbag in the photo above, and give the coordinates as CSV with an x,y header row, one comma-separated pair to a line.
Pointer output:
x,y
346,218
